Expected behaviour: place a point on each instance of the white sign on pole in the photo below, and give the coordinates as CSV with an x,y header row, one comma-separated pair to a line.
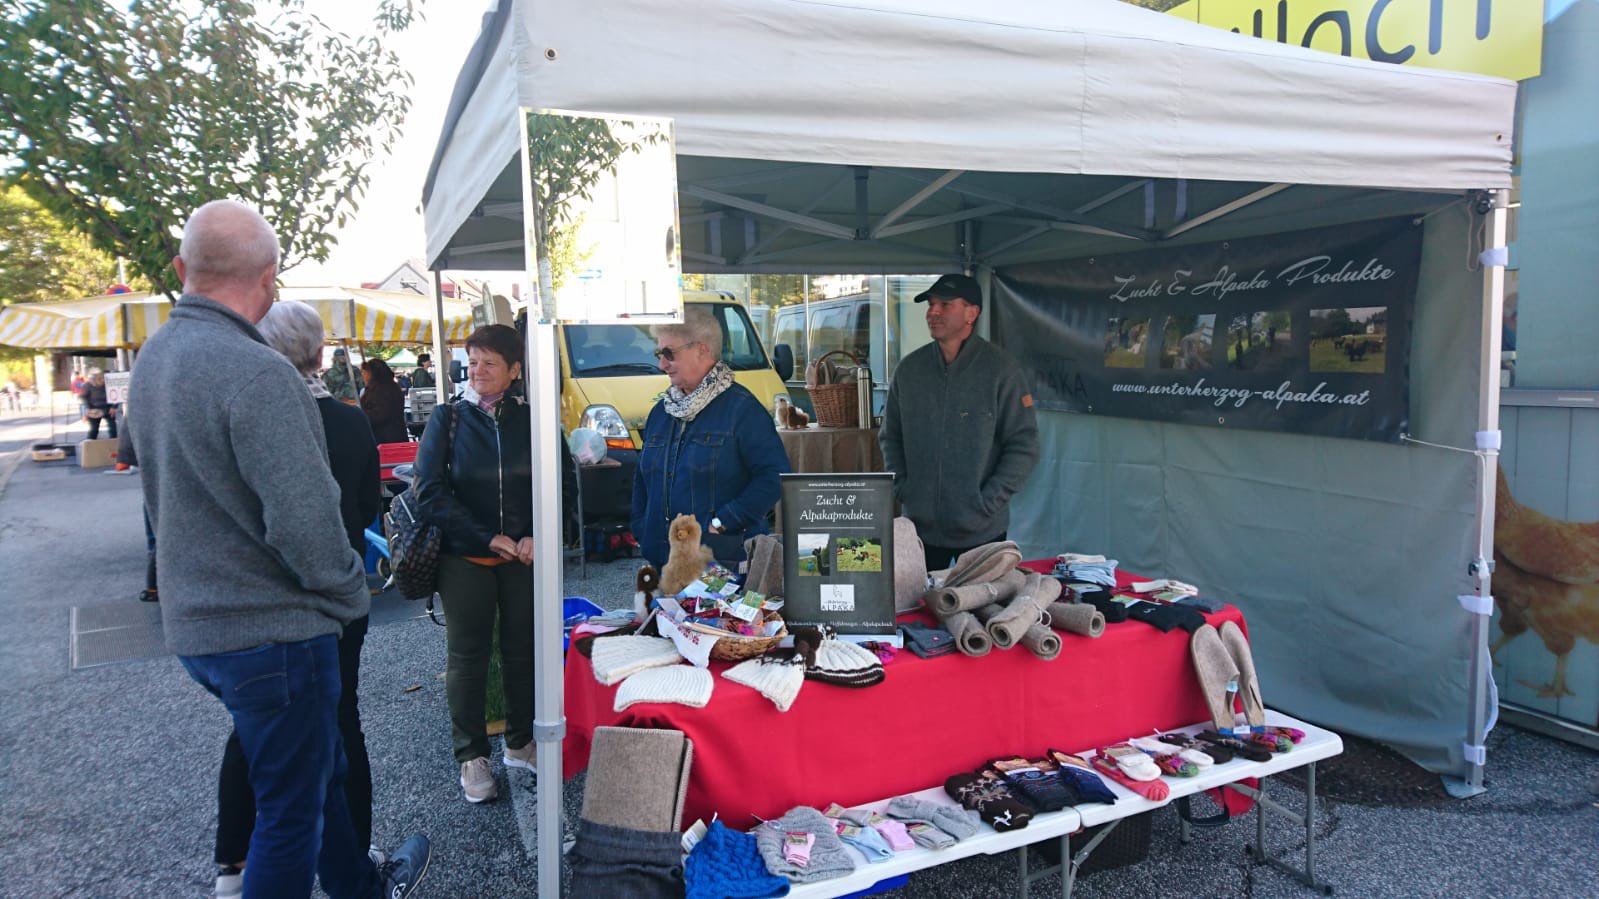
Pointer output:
x,y
116,386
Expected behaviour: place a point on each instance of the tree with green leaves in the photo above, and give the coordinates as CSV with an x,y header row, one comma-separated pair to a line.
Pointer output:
x,y
569,154
122,118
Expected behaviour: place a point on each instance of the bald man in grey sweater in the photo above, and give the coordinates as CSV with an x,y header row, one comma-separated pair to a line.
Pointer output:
x,y
257,575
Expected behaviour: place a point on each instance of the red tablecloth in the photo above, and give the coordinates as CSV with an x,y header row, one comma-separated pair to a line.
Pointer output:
x,y
929,719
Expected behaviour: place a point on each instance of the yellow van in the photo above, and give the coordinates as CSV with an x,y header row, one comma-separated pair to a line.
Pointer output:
x,y
610,379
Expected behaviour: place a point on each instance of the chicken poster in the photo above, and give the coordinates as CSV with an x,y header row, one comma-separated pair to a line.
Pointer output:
x,y
1306,332
1546,591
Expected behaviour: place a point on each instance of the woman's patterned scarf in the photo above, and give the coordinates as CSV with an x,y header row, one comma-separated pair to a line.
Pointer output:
x,y
684,406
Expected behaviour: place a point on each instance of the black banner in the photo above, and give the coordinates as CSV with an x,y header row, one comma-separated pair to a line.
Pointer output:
x,y
838,552
1306,332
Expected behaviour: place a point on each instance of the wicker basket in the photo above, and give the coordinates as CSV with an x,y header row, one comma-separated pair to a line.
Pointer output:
x,y
836,405
736,648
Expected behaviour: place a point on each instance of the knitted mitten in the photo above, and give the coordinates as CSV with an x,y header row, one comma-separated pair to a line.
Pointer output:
x,y
990,798
958,823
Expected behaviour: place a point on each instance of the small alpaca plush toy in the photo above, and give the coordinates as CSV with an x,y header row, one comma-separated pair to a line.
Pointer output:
x,y
795,418
686,560
649,580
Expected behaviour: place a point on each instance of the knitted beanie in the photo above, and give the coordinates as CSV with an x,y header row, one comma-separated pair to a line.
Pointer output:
x,y
910,566
845,664
615,658
828,856
777,680
682,684
726,864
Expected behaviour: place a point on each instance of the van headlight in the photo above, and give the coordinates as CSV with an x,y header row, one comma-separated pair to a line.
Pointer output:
x,y
608,422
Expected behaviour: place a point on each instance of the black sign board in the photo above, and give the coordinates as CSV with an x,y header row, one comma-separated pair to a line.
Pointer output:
x,y
1306,332
838,552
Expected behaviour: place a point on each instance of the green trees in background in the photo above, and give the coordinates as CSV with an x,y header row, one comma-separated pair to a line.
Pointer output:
x,y
121,119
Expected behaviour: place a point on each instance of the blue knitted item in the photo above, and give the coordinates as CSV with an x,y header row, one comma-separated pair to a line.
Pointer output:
x,y
726,865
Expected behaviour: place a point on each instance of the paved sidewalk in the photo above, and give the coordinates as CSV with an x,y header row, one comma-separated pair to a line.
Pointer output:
x,y
107,775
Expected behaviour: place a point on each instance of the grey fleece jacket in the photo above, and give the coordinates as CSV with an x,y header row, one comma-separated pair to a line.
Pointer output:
x,y
961,439
249,540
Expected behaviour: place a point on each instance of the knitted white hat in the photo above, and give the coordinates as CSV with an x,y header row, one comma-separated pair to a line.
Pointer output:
x,y
846,664
778,681
615,658
682,684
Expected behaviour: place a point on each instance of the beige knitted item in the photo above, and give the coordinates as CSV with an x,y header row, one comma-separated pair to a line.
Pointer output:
x,y
910,566
682,684
615,658
778,681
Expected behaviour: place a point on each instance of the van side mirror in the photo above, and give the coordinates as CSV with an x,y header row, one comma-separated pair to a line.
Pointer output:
x,y
457,371
783,360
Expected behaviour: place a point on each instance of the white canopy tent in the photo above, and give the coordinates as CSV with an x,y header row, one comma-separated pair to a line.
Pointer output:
x,y
918,135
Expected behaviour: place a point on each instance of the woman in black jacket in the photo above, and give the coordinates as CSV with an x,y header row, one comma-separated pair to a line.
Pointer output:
x,y
383,402
477,488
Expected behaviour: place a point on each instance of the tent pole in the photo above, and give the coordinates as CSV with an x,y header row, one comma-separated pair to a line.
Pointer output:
x,y
541,374
1479,714
443,387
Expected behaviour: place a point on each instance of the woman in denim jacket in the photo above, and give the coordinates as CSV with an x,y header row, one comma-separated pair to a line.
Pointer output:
x,y
710,448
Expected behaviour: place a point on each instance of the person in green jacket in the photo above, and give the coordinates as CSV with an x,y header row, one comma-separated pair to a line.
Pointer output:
x,y
341,381
959,432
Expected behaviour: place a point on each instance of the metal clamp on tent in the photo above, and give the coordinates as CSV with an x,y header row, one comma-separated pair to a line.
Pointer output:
x,y
1477,604
1476,755
1490,440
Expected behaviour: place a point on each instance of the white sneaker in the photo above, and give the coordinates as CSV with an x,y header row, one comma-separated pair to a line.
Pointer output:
x,y
229,885
477,782
521,758
377,856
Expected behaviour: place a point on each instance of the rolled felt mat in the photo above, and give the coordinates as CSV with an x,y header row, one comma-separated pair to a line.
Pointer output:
x,y
1076,618
969,635
1026,610
985,615
1041,642
949,600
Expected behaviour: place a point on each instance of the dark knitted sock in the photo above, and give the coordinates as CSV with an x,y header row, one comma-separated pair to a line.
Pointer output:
x,y
990,798
1101,599
1220,753
1089,786
1043,789
1241,748
1167,618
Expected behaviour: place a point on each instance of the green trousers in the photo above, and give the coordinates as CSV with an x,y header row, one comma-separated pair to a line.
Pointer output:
x,y
474,595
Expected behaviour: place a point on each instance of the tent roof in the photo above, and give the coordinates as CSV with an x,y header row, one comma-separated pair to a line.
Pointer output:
x,y
929,87
128,320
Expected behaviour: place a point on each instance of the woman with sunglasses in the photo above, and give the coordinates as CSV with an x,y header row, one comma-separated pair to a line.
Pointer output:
x,y
710,448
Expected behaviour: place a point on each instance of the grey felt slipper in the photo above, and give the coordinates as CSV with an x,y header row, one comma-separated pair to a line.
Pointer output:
x,y
1215,669
1248,685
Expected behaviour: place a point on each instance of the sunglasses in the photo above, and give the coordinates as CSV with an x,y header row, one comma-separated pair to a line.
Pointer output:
x,y
669,352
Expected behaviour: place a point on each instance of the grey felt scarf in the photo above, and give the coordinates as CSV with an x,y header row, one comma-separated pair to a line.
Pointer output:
x,y
684,406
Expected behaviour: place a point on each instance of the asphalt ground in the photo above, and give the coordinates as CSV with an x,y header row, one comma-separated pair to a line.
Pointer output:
x,y
107,774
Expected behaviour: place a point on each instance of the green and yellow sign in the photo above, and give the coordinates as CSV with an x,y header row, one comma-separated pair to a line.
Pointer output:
x,y
1490,37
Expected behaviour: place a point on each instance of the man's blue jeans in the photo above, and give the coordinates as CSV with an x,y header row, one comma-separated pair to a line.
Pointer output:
x,y
284,699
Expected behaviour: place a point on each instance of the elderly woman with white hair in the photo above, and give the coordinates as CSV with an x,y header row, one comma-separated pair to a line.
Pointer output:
x,y
295,330
710,448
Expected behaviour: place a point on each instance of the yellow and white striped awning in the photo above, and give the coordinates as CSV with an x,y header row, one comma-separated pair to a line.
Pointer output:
x,y
108,322
380,316
349,315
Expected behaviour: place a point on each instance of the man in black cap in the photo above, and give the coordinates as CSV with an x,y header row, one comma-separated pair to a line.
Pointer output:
x,y
959,432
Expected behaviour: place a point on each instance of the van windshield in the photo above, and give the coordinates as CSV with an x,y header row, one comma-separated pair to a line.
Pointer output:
x,y
611,351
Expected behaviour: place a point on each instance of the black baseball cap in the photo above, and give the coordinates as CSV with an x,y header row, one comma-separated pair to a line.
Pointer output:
x,y
954,287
